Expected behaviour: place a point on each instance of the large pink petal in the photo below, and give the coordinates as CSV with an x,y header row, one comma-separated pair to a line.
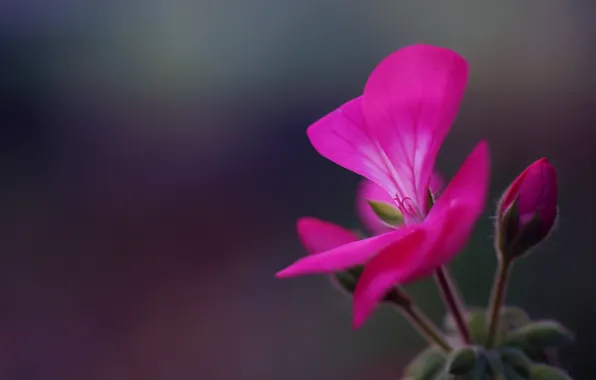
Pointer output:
x,y
344,257
461,204
409,103
343,138
319,236
386,270
370,191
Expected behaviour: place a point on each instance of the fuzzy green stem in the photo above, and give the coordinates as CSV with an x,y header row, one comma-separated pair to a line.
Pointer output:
x,y
453,302
497,299
418,319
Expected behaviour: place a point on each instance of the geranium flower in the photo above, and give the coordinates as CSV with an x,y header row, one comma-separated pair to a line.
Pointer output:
x,y
392,135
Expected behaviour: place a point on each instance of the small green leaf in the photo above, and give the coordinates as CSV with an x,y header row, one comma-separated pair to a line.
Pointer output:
x,y
539,335
547,372
517,360
426,365
387,213
462,361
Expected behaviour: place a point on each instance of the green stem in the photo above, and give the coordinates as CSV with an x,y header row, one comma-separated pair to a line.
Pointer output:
x,y
418,319
496,300
454,303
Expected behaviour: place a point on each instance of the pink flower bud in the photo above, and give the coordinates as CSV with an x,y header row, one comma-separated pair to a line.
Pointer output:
x,y
528,210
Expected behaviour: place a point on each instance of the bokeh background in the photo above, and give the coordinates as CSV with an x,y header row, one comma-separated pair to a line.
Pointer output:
x,y
154,161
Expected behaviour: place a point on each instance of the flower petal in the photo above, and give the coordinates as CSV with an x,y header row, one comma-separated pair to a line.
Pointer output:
x,y
343,257
343,138
537,190
409,103
319,236
460,205
370,191
385,270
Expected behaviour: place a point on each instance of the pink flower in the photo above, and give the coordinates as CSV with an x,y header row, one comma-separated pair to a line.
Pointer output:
x,y
528,210
391,135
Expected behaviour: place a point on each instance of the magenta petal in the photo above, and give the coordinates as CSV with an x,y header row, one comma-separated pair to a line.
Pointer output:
x,y
370,191
536,190
342,137
409,103
460,205
319,236
386,270
344,257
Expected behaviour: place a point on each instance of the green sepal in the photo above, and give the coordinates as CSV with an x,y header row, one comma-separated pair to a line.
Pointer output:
x,y
517,360
348,279
513,317
511,374
536,336
496,366
387,213
547,372
465,360
427,365
508,226
528,236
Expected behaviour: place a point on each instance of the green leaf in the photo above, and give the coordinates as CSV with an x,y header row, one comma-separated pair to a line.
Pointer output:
x,y
426,365
517,360
462,360
539,335
547,372
387,213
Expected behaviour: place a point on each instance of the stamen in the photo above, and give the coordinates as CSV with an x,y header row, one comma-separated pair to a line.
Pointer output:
x,y
406,207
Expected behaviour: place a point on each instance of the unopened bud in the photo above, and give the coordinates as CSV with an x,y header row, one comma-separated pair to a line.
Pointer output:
x,y
528,210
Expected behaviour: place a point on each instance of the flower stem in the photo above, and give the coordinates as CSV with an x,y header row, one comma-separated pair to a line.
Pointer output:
x,y
418,319
454,303
496,300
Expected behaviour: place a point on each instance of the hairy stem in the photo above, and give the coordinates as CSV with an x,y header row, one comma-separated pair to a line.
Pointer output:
x,y
496,300
454,303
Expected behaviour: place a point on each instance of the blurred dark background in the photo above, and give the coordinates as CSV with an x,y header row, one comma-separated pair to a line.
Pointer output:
x,y
154,161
